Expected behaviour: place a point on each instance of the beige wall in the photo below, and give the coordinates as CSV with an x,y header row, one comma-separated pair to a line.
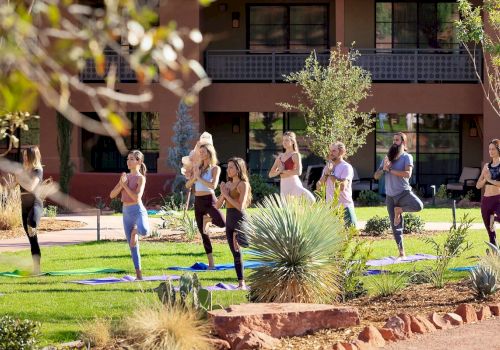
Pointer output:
x,y
227,143
360,23
471,146
218,30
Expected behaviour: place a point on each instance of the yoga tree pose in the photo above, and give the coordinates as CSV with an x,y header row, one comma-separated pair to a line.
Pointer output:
x,y
135,217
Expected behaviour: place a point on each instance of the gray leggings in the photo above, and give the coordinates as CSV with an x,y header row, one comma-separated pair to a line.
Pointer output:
x,y
410,203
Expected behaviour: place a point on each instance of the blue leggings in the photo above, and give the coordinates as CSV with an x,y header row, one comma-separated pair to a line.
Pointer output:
x,y
135,215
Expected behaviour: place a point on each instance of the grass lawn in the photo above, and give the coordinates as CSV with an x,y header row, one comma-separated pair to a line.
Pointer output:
x,y
61,306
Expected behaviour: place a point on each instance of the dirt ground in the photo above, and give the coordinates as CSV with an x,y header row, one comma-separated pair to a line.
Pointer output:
x,y
46,225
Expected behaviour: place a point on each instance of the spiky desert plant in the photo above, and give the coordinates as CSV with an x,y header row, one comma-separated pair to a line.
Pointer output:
x,y
97,332
387,284
157,326
10,204
484,281
297,240
492,260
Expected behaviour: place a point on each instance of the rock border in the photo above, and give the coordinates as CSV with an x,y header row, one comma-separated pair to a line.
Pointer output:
x,y
404,326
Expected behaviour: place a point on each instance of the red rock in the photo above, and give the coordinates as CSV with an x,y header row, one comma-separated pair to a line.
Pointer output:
x,y
281,320
495,309
350,346
361,345
438,321
338,346
388,334
407,320
428,324
483,313
454,319
372,336
467,312
219,344
417,326
256,340
398,327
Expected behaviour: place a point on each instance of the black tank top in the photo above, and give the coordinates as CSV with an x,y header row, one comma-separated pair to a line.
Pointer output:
x,y
494,171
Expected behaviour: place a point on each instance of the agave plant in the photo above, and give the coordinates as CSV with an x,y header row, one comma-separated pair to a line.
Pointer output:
x,y
484,281
297,240
492,260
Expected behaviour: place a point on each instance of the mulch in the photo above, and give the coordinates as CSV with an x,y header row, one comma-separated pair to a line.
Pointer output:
x,y
46,225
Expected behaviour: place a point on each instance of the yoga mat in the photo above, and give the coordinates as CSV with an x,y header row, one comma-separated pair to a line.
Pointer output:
x,y
202,267
462,268
219,287
124,279
88,271
374,272
396,260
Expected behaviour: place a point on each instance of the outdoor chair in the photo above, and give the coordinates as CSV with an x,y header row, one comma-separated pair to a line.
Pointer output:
x,y
362,184
466,181
312,175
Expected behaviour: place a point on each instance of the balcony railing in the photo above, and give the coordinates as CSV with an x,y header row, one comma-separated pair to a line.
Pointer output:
x,y
413,65
124,72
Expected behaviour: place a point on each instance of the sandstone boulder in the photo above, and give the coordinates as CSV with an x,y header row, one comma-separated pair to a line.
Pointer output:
x,y
454,319
438,321
467,312
372,336
483,313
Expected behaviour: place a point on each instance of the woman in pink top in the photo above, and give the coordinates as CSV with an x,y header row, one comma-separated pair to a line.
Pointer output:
x,y
135,217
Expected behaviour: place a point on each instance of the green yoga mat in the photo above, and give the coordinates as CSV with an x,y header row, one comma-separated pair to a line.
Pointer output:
x,y
88,271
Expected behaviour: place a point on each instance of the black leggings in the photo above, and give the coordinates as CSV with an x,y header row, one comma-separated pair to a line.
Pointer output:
x,y
234,218
32,210
206,205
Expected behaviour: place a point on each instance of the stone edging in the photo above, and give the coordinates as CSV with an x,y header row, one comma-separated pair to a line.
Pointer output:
x,y
404,326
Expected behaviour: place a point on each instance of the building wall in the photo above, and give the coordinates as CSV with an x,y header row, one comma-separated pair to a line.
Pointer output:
x,y
227,143
360,23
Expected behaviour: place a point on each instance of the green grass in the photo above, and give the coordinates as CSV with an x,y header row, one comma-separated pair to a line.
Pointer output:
x,y
427,214
61,307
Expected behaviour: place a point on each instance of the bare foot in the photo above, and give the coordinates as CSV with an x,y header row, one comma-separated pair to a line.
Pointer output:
x,y
211,264
138,274
206,223
242,285
397,215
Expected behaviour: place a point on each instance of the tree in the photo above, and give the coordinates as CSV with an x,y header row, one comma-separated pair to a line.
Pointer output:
x,y
64,131
329,101
473,31
184,135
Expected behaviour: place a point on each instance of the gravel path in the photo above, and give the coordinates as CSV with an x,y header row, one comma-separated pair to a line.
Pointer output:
x,y
484,335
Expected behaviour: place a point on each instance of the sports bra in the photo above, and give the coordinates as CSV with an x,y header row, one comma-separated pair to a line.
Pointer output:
x,y
207,176
288,164
132,183
234,194
494,171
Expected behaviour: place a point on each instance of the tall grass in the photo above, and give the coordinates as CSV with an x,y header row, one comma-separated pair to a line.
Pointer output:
x,y
10,204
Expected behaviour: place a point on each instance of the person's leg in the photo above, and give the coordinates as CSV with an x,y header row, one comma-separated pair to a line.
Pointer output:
x,y
487,208
215,214
129,220
349,217
233,218
397,230
27,214
200,209
408,202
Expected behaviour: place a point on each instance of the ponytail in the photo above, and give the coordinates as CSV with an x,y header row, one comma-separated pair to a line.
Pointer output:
x,y
143,169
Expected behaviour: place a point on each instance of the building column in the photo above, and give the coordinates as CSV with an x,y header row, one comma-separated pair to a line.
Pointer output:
x,y
48,138
340,22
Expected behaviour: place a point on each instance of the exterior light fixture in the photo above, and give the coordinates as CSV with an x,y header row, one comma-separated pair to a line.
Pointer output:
x,y
236,19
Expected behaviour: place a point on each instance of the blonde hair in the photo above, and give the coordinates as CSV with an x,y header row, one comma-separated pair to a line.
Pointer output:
x,y
292,137
211,153
139,156
33,157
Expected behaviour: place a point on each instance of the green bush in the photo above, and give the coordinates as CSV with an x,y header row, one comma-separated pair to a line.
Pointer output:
x,y
174,201
260,188
412,223
442,193
368,198
116,205
387,284
484,281
377,226
18,334
50,211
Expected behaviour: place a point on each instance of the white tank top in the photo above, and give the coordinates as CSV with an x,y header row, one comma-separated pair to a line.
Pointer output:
x,y
207,176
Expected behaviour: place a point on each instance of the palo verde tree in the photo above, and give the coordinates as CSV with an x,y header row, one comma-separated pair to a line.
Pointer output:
x,y
329,100
479,28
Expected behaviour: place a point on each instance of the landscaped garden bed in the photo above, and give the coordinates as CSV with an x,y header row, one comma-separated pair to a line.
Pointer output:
x,y
46,225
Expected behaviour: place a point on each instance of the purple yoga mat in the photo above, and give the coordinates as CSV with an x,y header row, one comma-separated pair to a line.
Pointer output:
x,y
124,279
396,260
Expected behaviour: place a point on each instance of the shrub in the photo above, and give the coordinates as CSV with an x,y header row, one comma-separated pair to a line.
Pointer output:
x,y
159,326
97,333
174,201
297,240
387,284
454,245
116,205
10,204
442,193
260,188
377,226
188,227
368,198
412,223
484,281
492,260
18,334
50,211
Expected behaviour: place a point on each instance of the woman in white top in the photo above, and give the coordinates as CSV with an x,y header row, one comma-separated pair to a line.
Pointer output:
x,y
288,166
205,179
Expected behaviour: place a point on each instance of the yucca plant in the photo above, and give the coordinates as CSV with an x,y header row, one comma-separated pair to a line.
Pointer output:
x,y
492,260
10,204
484,281
297,240
188,227
387,284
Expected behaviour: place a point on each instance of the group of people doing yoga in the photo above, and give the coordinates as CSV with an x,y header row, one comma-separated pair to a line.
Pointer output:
x,y
236,193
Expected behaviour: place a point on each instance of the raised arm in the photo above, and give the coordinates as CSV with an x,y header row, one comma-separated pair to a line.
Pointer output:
x,y
137,194
241,202
297,166
276,169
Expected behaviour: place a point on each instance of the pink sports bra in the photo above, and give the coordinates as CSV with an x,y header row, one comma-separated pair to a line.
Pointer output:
x,y
132,182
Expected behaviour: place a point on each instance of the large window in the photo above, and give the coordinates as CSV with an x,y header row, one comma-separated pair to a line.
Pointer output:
x,y
287,27
411,24
433,141
265,139
101,155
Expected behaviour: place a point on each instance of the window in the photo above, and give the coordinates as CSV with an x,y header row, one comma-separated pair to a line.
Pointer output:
x,y
433,141
101,155
288,27
416,24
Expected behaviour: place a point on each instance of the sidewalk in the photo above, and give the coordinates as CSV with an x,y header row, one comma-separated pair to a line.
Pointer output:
x,y
112,228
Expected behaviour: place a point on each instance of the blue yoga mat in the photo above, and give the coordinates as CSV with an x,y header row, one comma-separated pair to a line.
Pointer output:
x,y
462,268
201,267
